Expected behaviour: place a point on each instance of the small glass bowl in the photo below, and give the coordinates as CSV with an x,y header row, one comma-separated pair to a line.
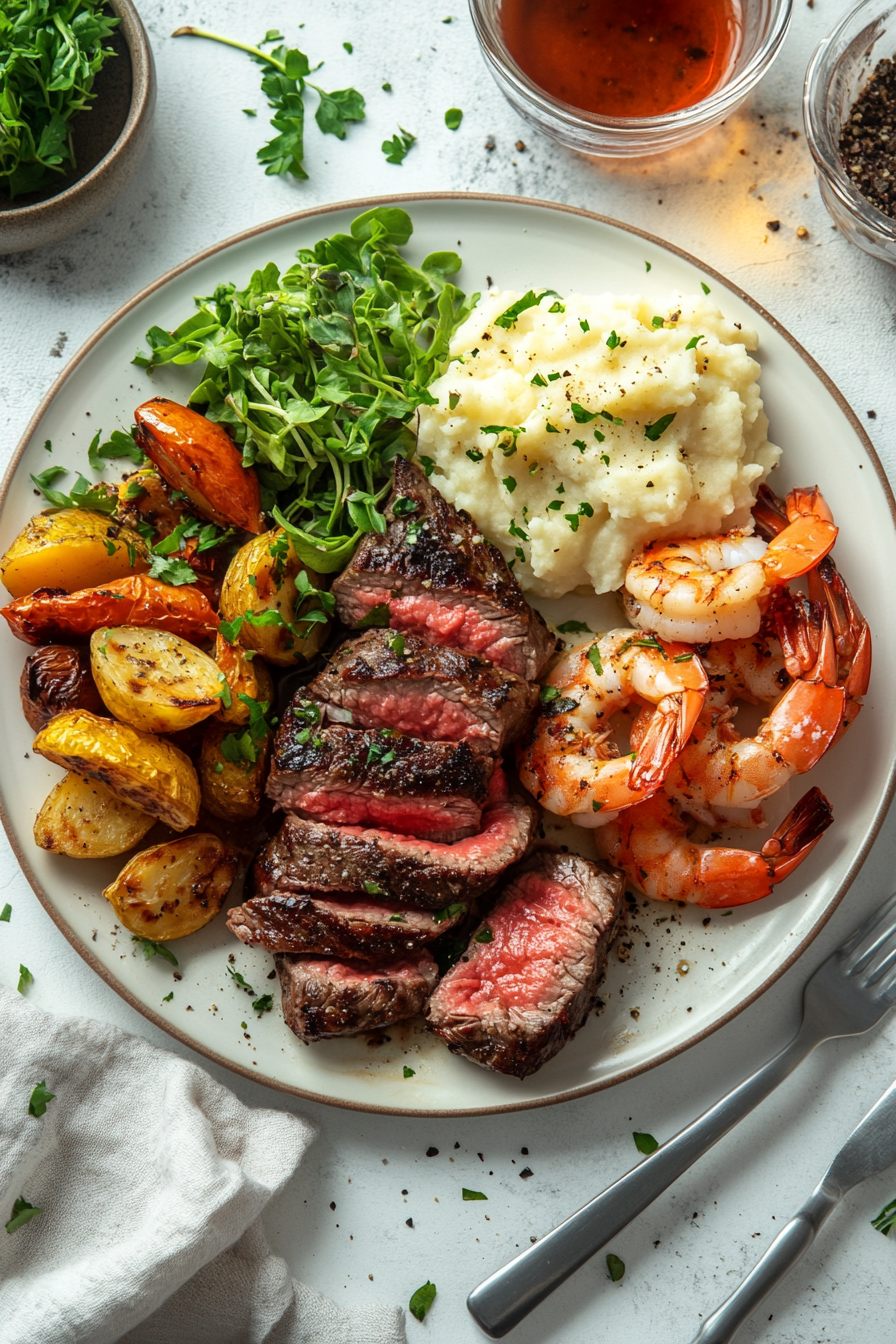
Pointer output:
x,y
838,71
764,24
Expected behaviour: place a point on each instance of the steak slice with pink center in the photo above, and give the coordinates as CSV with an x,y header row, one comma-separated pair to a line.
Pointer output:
x,y
339,926
377,777
426,874
388,680
530,975
434,574
323,998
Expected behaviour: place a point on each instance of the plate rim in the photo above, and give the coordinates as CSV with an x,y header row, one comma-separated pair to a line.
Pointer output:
x,y
409,198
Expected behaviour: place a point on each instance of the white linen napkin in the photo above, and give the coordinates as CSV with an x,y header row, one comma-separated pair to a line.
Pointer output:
x,y
151,1178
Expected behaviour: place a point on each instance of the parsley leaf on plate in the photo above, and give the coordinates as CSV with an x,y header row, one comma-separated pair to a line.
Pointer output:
x,y
645,1143
22,1213
422,1300
152,949
396,150
40,1099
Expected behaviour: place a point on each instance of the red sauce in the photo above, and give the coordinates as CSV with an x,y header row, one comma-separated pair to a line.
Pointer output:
x,y
623,58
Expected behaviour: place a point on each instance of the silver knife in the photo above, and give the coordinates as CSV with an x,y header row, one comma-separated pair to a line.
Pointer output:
x,y
870,1148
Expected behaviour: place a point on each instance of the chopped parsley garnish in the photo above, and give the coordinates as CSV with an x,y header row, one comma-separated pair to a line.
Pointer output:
x,y
682,658
472,1194
704,286
348,47
613,419
547,694
396,150
396,644
412,532
240,979
397,919
152,949
474,455
422,1300
22,1213
509,484
555,505
585,510
83,495
538,381
580,415
596,806
428,465
658,428
573,628
580,444
168,997
551,429
409,1073
453,118
404,505
5,913
656,322
584,324
648,266
886,1219
517,531
557,307
245,747
484,935
377,617
612,341
307,712
530,299
692,343
453,399
594,660
264,1004
25,979
552,377
645,1143
40,1100
378,755
450,912
373,889
615,1267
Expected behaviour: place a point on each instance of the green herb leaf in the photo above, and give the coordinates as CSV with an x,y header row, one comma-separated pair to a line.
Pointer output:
x,y
530,299
648,266
615,1267
396,149
25,979
573,628
886,1219
240,979
453,399
594,659
484,935
264,1004
22,1213
168,997
538,381
704,286
40,1100
348,47
335,110
547,694
422,1300
472,1194
693,342
152,949
612,341
580,415
584,324
453,118
409,1073
374,889
450,912
100,498
376,618
5,913
658,428
645,1143
386,88
657,322
509,484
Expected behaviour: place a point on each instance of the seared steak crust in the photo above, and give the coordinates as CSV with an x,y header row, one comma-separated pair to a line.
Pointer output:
x,y
359,776
512,1002
415,872
432,691
339,925
324,998
435,574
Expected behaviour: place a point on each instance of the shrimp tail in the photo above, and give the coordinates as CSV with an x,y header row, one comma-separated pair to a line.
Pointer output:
x,y
667,734
807,502
769,513
798,834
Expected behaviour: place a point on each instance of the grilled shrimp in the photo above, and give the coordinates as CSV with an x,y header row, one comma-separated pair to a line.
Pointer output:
x,y
715,587
651,844
719,769
569,761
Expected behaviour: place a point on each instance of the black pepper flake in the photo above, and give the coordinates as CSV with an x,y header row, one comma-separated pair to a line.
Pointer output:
x,y
432,1152
868,142
525,1152
872,415
404,1192
332,1206
773,225
526,1173
457,1145
409,1222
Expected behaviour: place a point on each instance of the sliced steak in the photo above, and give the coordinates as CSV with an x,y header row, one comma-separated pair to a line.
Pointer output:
x,y
415,872
339,926
384,680
513,1001
376,777
434,574
324,998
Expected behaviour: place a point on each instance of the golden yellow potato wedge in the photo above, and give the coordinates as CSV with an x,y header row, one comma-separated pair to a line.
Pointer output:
x,y
261,592
244,677
173,889
154,680
85,820
142,770
71,549
231,789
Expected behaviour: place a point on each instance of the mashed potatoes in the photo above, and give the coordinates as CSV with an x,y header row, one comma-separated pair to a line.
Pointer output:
x,y
594,423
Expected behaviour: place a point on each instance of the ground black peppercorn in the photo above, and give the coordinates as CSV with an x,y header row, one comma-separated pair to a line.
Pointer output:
x,y
868,139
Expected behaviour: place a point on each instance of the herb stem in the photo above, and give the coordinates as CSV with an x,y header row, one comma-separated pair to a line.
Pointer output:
x,y
189,31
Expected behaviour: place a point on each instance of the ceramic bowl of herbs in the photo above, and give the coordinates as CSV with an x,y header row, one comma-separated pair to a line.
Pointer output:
x,y
77,91
849,103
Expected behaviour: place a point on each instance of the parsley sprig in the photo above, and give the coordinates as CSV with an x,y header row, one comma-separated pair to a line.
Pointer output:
x,y
318,374
283,84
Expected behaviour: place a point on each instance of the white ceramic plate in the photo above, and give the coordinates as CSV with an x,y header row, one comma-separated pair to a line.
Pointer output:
x,y
653,1010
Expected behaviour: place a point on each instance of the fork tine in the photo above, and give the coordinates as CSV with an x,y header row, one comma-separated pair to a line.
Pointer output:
x,y
868,937
883,959
886,989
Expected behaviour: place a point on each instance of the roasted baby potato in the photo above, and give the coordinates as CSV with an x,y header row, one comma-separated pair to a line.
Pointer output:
x,y
154,680
54,679
51,616
197,456
260,588
85,820
173,889
142,770
244,677
70,549
231,790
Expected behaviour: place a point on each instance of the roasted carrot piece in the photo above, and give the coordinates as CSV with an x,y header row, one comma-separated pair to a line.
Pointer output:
x,y
199,457
53,616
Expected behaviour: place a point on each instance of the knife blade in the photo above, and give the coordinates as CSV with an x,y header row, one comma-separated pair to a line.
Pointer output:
x,y
870,1148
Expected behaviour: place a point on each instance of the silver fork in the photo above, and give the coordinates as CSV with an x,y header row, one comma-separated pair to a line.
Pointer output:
x,y
848,994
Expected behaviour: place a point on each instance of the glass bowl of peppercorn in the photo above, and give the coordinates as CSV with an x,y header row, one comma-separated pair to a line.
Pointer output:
x,y
849,103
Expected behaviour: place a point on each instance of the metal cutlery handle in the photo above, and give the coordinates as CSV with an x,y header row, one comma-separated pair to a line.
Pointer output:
x,y
791,1243
506,1297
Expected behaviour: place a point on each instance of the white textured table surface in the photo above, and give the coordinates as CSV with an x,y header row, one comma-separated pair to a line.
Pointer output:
x,y
199,183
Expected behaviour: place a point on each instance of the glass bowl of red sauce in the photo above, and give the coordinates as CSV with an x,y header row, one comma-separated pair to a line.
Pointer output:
x,y
844,65
621,78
